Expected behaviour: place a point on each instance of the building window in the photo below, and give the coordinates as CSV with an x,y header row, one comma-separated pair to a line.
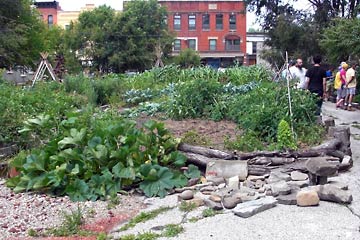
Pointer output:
x,y
67,27
232,44
219,21
232,21
212,44
177,22
177,45
254,47
192,43
192,22
206,21
50,20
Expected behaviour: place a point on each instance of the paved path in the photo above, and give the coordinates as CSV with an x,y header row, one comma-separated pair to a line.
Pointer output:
x,y
328,221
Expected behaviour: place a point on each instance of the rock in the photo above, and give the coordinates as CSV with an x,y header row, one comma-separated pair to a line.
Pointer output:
x,y
347,160
180,190
329,192
280,188
213,205
248,184
245,197
261,190
255,178
289,199
216,180
307,198
193,181
248,209
259,184
299,184
208,189
196,201
222,185
215,198
233,182
340,185
227,169
298,176
278,176
320,167
231,201
186,195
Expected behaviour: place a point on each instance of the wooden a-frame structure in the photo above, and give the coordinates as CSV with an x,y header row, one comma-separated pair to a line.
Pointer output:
x,y
43,66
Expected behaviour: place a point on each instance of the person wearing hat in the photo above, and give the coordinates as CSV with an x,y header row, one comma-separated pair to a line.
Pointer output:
x,y
350,86
342,90
316,81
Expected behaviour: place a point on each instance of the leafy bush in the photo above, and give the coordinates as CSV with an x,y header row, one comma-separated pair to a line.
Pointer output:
x,y
285,138
91,161
18,104
194,99
263,108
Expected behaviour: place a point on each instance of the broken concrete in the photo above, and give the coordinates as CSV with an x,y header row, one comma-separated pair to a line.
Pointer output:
x,y
227,169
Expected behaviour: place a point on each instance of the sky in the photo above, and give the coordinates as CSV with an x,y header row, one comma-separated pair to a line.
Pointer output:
x,y
74,5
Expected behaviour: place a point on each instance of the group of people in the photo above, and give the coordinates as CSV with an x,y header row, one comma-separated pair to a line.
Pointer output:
x,y
315,79
345,85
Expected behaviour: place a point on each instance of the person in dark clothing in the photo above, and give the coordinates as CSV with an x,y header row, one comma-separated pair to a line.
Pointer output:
x,y
316,81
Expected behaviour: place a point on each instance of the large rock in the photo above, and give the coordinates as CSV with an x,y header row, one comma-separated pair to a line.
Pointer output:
x,y
186,195
212,204
278,176
329,192
280,188
306,198
226,169
248,209
233,182
320,167
289,199
298,176
231,201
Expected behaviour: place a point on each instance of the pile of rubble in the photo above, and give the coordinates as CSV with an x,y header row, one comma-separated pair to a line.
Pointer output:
x,y
253,182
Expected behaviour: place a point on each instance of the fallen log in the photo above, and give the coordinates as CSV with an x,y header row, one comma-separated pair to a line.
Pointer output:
x,y
271,161
207,152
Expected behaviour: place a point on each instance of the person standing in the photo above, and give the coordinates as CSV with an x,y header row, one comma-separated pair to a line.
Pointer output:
x,y
342,90
316,82
350,86
298,71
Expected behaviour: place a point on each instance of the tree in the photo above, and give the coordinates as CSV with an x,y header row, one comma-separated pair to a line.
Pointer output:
x,y
341,40
88,38
188,58
21,33
138,32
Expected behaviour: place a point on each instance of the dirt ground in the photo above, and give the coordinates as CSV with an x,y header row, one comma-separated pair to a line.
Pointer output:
x,y
200,132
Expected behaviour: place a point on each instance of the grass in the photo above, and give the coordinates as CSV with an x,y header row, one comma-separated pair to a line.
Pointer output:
x,y
187,206
141,236
143,217
172,230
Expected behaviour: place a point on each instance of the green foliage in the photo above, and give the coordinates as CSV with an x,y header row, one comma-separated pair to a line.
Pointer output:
x,y
71,224
209,212
18,104
95,159
249,141
187,206
310,134
285,138
141,236
193,138
188,58
338,41
143,217
194,99
172,230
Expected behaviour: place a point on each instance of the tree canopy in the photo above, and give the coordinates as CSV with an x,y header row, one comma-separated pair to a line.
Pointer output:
x,y
118,42
21,33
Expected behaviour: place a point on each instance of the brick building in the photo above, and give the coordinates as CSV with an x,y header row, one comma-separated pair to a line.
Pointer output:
x,y
214,28
48,11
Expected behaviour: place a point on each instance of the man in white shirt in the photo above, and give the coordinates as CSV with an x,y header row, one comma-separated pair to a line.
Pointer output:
x,y
298,72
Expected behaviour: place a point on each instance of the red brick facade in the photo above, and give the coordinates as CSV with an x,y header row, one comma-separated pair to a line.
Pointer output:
x,y
216,29
48,11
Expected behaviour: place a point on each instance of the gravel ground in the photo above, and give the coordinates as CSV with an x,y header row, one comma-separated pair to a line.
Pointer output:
x,y
24,211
